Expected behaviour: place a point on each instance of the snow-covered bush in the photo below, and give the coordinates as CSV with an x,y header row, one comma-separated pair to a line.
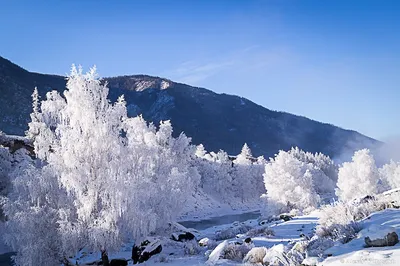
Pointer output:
x,y
255,256
231,232
289,185
358,178
235,252
339,221
317,245
192,248
261,231
101,177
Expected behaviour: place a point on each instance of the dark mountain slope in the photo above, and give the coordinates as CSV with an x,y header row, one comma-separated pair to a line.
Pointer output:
x,y
219,121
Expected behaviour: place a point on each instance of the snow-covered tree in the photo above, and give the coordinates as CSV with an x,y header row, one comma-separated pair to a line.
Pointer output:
x,y
215,170
247,175
102,177
5,167
242,175
319,160
390,175
33,208
289,184
325,172
358,178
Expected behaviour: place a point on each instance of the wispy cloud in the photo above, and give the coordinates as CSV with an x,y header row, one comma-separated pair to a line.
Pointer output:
x,y
245,60
192,73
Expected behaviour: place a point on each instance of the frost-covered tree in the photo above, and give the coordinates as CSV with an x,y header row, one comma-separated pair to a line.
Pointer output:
x,y
247,175
325,172
102,177
289,184
33,208
215,170
358,178
243,175
319,160
230,180
5,167
390,175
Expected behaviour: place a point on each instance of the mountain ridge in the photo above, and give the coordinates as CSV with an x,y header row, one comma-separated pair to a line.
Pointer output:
x,y
218,120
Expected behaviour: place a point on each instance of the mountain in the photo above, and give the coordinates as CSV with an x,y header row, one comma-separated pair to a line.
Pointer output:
x,y
219,121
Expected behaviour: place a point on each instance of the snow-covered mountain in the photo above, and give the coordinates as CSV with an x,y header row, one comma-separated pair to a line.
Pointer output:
x,y
219,121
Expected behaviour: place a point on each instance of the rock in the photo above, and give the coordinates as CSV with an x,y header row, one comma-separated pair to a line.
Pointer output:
x,y
118,262
390,239
248,240
204,242
264,221
366,199
147,249
379,236
182,237
182,233
285,217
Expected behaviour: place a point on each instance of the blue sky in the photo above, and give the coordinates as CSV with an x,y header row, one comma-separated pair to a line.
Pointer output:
x,y
332,61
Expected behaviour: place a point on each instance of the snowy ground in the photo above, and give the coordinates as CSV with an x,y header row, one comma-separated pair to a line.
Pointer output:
x,y
352,253
172,253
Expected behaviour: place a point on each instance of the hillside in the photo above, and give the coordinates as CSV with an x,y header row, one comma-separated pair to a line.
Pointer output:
x,y
219,121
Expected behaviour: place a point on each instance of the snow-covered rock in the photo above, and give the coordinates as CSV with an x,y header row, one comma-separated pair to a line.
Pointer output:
x,y
380,236
147,248
182,236
217,253
206,242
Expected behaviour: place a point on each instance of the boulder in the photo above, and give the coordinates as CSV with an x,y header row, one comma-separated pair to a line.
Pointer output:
x,y
379,236
204,242
285,217
390,239
248,240
366,199
182,237
146,250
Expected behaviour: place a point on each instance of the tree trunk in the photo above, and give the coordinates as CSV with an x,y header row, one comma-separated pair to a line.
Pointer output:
x,y
104,258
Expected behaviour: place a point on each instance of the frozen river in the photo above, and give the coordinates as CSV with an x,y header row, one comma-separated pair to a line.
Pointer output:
x,y
220,220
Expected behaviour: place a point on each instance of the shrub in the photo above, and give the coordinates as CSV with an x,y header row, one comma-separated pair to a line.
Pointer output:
x,y
255,255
